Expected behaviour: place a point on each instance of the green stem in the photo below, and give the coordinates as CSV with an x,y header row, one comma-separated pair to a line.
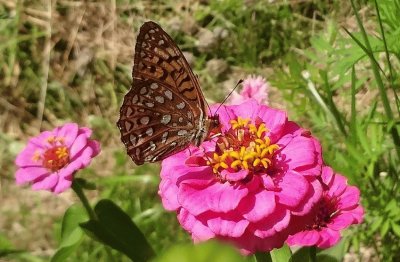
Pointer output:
x,y
313,254
378,79
79,192
263,257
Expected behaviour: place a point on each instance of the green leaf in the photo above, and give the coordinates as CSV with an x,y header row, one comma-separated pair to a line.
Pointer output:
x,y
71,233
376,224
116,229
396,229
83,183
301,255
282,254
334,254
385,227
6,247
204,252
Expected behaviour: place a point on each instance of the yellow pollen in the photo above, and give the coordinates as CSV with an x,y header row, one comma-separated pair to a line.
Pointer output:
x,y
251,151
259,141
60,139
36,156
240,122
245,164
50,139
261,130
240,135
61,152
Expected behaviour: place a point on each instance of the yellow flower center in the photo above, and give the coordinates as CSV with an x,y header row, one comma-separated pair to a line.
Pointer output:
x,y
244,146
55,157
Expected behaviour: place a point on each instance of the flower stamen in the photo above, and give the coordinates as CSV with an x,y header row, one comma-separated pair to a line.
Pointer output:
x,y
247,148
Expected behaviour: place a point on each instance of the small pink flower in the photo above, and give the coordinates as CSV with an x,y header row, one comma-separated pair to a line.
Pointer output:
x,y
253,87
338,208
50,160
245,185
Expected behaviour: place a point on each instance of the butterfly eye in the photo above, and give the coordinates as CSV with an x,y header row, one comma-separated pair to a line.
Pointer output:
x,y
165,110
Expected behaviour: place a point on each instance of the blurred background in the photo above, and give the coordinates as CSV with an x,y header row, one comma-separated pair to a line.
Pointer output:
x,y
64,61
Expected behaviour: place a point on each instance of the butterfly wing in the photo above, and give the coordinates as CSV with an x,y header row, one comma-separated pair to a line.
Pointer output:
x,y
165,107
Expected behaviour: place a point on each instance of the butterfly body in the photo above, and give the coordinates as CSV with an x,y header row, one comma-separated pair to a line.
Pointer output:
x,y
164,111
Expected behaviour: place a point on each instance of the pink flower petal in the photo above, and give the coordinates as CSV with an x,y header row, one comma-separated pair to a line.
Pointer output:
x,y
272,224
337,186
169,195
299,154
350,197
329,238
25,158
357,214
234,176
304,238
341,221
327,175
29,174
225,225
274,120
79,143
217,197
62,185
313,196
47,183
193,225
84,157
69,132
293,189
40,141
95,146
257,206
248,109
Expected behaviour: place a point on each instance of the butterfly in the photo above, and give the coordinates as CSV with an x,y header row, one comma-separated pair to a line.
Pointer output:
x,y
165,110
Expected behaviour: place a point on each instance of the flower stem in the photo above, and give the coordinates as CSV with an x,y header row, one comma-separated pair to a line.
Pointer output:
x,y
263,257
79,192
313,254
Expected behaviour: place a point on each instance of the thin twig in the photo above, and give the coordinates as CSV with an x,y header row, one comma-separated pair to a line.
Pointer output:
x,y
46,68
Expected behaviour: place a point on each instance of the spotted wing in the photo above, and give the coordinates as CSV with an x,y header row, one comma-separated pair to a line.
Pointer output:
x,y
162,111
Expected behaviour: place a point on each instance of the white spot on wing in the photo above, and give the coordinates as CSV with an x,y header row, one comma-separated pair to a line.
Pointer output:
x,y
152,146
182,132
143,90
135,99
180,105
168,94
128,125
145,120
129,111
160,99
149,131
164,137
149,104
154,86
165,119
133,139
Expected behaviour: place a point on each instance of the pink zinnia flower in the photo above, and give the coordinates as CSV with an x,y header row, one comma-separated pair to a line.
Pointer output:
x,y
245,185
50,160
338,208
253,88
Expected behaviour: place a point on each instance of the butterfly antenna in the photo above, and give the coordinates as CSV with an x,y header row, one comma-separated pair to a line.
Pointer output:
x,y
230,93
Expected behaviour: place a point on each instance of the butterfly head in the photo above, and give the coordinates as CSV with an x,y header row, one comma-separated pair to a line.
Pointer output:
x,y
215,125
